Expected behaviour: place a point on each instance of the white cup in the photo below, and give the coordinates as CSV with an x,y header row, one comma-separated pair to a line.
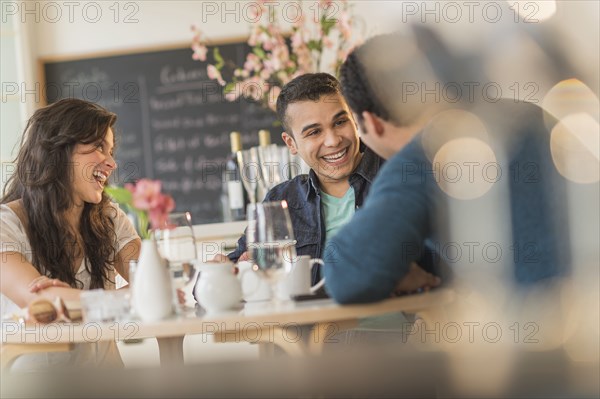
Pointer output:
x,y
254,288
297,282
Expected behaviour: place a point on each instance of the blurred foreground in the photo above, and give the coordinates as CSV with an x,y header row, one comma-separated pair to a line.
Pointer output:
x,y
377,373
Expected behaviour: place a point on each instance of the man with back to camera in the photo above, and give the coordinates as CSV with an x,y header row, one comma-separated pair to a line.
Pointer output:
x,y
406,206
319,127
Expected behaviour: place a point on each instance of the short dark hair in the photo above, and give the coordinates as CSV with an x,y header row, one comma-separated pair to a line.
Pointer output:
x,y
374,75
355,87
310,86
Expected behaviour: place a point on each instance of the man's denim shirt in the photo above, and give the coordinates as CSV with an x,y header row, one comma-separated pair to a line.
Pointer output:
x,y
303,196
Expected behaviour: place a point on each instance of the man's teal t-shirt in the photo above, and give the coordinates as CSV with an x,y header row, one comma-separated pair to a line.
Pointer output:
x,y
337,211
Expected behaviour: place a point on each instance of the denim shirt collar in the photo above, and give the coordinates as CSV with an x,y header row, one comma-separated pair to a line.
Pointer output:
x,y
366,169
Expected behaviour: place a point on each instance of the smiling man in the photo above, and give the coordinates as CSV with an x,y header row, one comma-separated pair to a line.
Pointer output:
x,y
319,128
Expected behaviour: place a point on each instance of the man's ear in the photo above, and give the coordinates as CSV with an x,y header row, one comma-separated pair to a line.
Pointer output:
x,y
288,139
372,123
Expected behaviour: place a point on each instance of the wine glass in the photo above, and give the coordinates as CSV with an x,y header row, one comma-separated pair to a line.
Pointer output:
x,y
270,161
270,241
249,165
177,244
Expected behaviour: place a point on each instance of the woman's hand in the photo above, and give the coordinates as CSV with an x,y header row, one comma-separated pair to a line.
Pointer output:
x,y
42,282
219,258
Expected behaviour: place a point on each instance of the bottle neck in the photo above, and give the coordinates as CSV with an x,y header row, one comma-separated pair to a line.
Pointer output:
x,y
236,142
264,138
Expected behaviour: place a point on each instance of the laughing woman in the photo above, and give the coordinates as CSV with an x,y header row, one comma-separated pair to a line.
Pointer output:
x,y
59,232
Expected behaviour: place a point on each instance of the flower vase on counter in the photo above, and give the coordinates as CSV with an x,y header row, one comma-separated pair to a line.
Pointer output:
x,y
152,296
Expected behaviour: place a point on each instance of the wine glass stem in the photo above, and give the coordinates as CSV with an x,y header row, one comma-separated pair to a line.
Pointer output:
x,y
276,299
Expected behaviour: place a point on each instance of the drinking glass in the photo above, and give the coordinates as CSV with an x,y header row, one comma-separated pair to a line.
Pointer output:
x,y
249,164
270,241
177,244
270,161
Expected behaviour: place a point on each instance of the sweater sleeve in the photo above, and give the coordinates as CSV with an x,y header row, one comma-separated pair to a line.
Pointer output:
x,y
372,252
239,250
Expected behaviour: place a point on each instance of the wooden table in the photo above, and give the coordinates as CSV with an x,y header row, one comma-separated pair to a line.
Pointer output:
x,y
264,323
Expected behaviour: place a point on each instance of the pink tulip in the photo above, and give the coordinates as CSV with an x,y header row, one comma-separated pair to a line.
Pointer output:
x,y
159,214
147,200
145,196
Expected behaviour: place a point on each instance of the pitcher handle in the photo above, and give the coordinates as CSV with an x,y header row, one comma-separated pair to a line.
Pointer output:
x,y
317,261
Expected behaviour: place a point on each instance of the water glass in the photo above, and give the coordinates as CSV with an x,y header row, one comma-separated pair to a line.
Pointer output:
x,y
177,244
104,305
270,241
133,264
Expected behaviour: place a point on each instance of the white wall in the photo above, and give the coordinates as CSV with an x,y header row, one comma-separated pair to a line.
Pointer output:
x,y
165,22
14,59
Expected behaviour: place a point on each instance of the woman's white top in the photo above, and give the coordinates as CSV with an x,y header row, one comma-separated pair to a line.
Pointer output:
x,y
13,238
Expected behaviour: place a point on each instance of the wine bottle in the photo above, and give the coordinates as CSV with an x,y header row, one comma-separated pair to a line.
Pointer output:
x,y
264,138
264,141
232,183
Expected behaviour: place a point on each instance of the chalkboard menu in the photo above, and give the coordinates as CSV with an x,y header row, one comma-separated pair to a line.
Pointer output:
x,y
173,121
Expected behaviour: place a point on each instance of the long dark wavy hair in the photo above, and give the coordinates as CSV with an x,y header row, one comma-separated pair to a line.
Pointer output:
x,y
44,182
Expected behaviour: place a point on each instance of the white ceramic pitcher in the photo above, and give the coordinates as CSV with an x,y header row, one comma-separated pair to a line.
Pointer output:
x,y
218,289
